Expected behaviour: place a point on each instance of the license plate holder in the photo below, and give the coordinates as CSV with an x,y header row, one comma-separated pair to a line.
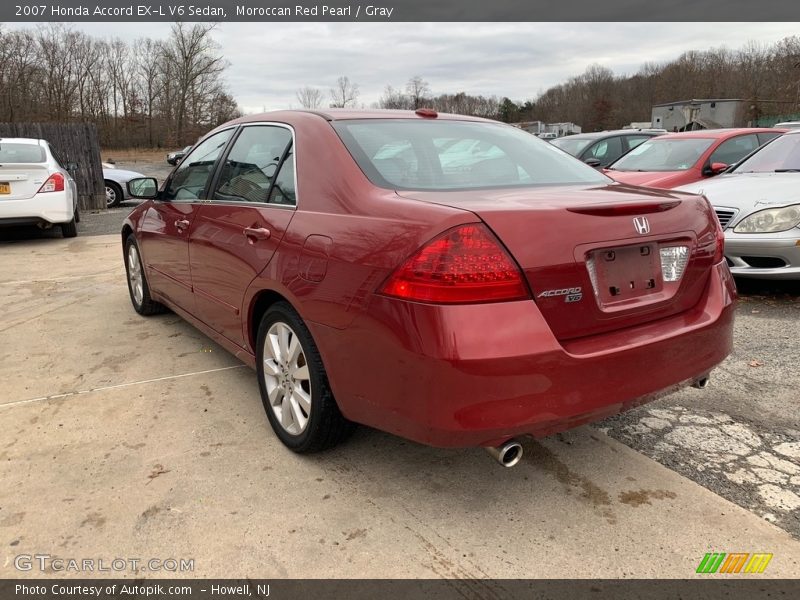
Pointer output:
x,y
627,272
5,187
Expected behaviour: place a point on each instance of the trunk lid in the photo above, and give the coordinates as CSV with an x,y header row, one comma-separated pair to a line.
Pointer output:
x,y
21,181
592,263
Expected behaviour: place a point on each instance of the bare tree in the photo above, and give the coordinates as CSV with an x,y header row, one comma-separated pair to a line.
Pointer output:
x,y
394,99
309,97
344,94
417,90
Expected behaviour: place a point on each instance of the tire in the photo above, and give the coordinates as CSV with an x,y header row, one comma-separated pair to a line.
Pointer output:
x,y
113,194
137,285
70,230
297,391
77,214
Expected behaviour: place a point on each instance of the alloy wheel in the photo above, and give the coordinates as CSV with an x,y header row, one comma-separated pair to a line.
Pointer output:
x,y
287,378
135,275
111,195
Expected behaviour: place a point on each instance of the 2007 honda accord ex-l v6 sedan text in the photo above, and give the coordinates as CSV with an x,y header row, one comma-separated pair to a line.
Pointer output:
x,y
448,279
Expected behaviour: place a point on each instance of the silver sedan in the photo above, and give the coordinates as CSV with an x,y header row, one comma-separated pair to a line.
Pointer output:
x,y
116,182
758,206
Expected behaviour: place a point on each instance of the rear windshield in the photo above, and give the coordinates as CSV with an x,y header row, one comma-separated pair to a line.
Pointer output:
x,y
664,154
571,145
21,153
781,156
408,154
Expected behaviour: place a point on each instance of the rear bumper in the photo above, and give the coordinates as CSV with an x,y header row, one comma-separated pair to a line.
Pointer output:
x,y
52,207
743,253
478,375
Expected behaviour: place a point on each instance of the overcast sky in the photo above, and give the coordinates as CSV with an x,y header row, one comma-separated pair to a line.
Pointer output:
x,y
270,61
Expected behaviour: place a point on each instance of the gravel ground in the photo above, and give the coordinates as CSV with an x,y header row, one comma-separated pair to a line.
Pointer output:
x,y
740,437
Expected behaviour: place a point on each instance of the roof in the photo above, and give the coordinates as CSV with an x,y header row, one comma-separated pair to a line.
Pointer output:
x,y
10,140
594,135
699,101
340,114
717,133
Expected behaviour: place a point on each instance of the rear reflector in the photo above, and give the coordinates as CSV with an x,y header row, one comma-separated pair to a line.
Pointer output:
x,y
54,183
464,265
673,262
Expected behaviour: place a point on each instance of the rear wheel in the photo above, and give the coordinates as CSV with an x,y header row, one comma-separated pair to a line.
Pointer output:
x,y
137,282
294,386
70,230
113,194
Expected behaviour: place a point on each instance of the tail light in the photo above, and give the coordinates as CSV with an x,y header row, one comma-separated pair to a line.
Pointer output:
x,y
54,183
464,265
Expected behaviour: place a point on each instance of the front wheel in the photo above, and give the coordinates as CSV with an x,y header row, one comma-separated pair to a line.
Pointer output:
x,y
113,194
294,386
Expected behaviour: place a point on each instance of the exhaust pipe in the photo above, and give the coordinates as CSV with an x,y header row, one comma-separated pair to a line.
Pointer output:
x,y
702,382
508,454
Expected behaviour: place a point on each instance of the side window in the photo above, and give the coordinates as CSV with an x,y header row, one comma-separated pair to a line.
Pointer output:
x,y
606,151
634,140
252,164
734,149
190,178
57,158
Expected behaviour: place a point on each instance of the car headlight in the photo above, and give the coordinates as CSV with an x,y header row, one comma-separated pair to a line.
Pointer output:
x,y
770,220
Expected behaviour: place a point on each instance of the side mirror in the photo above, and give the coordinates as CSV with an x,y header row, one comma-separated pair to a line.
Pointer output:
x,y
143,187
593,162
71,166
715,169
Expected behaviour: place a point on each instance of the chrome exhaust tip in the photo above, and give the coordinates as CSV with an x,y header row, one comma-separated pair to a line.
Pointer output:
x,y
702,382
508,454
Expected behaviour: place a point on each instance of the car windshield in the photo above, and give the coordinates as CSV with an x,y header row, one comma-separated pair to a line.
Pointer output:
x,y
664,154
457,155
572,145
781,156
21,153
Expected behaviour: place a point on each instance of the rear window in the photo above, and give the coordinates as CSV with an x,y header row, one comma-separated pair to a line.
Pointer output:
x,y
446,155
21,153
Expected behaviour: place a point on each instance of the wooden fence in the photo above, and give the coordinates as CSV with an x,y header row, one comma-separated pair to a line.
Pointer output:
x,y
74,142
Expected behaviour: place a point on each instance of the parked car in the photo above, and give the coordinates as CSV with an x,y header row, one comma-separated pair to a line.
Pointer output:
x,y
787,125
758,206
116,182
602,148
36,187
521,293
547,135
174,158
682,158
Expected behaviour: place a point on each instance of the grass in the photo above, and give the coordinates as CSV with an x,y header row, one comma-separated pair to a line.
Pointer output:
x,y
134,155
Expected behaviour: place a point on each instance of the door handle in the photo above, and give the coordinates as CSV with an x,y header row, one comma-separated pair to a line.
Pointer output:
x,y
182,224
256,233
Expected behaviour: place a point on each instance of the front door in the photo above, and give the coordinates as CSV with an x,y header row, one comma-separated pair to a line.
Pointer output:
x,y
238,231
165,228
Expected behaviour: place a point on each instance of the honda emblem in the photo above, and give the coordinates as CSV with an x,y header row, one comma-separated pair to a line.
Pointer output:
x,y
642,225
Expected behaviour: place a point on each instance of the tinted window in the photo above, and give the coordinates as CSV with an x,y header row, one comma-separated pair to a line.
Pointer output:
x,y
252,164
734,149
634,140
781,155
453,155
189,179
571,145
606,151
21,153
763,138
664,154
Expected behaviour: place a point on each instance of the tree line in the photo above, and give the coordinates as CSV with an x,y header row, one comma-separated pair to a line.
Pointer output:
x,y
768,75
149,93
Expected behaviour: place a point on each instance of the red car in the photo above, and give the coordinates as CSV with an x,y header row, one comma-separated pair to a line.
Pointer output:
x,y
450,280
677,159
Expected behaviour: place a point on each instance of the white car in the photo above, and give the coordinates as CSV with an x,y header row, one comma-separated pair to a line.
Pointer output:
x,y
36,187
758,206
116,183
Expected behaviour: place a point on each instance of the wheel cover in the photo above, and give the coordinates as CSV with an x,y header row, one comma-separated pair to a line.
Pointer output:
x,y
111,195
286,378
135,275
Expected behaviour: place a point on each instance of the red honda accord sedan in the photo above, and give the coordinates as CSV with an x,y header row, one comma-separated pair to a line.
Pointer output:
x,y
448,279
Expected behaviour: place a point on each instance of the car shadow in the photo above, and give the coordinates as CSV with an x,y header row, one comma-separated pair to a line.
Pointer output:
x,y
15,234
779,289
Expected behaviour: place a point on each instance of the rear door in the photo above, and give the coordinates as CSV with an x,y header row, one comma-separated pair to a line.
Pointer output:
x,y
164,233
234,236
23,170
